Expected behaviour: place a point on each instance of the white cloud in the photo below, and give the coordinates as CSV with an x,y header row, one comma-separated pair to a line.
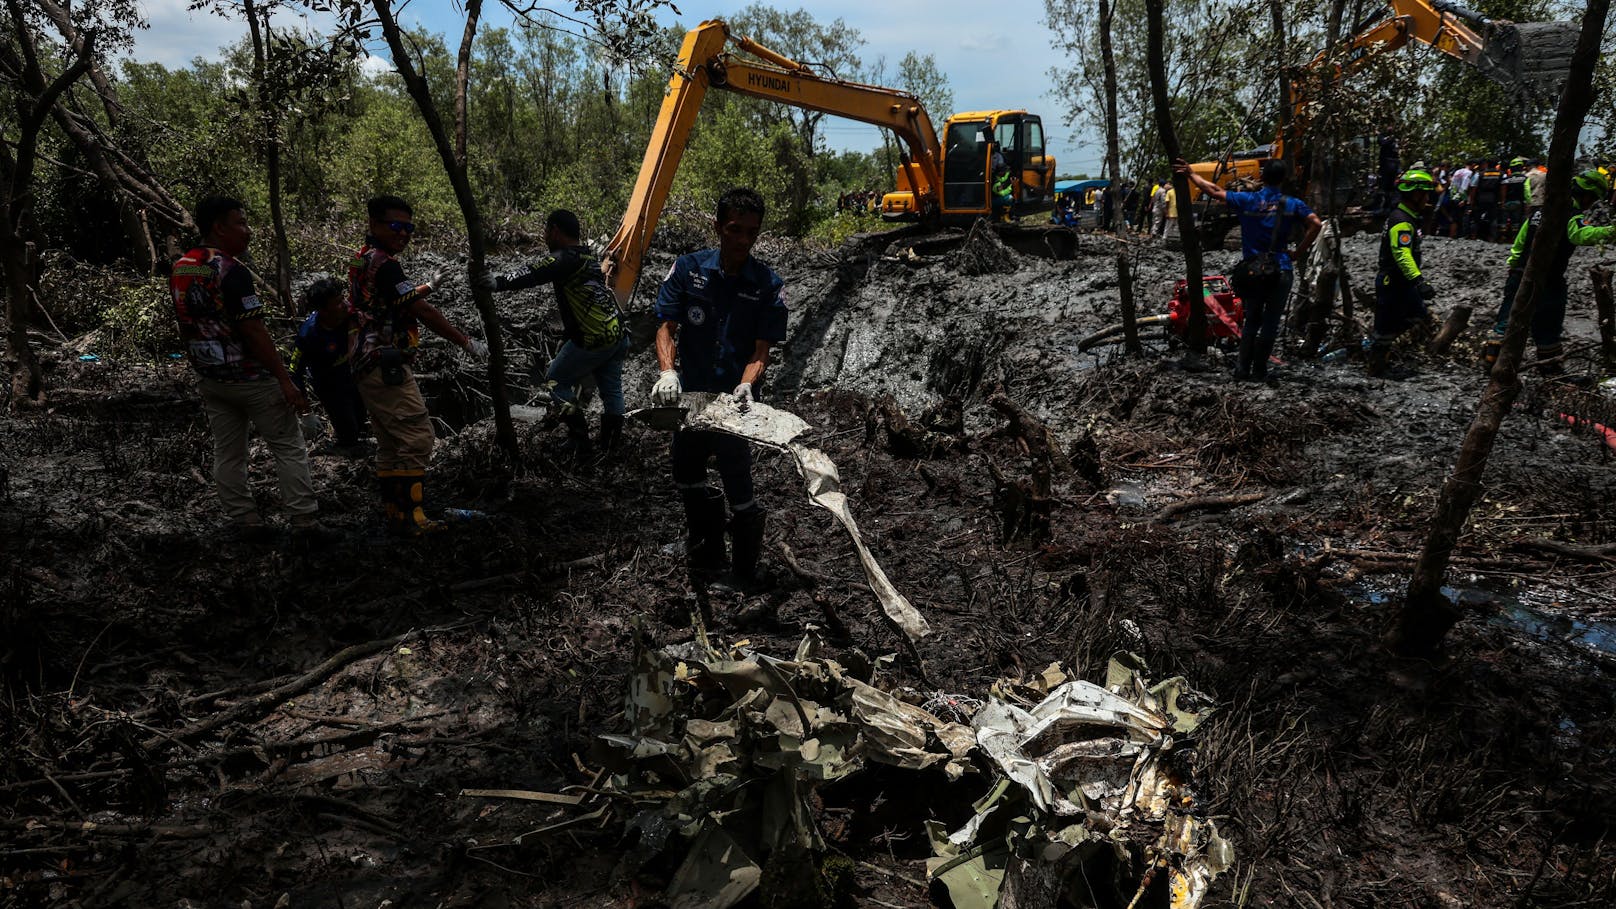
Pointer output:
x,y
177,36
375,66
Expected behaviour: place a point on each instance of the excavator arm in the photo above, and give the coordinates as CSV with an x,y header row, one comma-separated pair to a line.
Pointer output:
x,y
703,64
1526,57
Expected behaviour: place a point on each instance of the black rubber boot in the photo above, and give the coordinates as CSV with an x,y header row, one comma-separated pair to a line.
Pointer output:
x,y
1549,352
387,484
611,432
411,498
1489,353
1242,363
578,435
1260,353
1378,359
704,531
746,542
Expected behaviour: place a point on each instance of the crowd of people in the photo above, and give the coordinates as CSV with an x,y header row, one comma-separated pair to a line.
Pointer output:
x,y
719,313
1403,289
859,202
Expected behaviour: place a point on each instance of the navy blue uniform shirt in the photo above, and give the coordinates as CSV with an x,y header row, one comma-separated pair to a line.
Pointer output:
x,y
1258,211
721,317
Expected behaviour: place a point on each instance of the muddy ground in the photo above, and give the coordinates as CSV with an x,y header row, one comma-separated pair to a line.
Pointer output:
x,y
193,723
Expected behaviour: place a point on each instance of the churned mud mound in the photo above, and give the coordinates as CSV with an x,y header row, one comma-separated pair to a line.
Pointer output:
x,y
195,722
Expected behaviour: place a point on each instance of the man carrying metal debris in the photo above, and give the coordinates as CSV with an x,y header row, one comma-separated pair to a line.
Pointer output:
x,y
1265,274
1548,320
720,310
1401,290
596,342
388,312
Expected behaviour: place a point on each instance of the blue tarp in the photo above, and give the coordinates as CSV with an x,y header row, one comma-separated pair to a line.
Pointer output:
x,y
1066,186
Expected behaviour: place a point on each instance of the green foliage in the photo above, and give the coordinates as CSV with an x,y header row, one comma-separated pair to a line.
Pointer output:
x,y
724,151
387,149
140,318
832,230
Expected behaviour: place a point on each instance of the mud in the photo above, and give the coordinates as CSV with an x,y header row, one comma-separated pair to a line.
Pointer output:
x,y
491,656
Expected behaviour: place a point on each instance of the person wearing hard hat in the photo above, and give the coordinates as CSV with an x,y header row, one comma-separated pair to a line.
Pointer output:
x,y
1548,320
1401,290
1514,189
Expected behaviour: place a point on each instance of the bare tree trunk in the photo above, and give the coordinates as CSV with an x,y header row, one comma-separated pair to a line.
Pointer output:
x,y
1606,308
1113,169
1276,12
1319,171
474,11
269,126
142,252
476,245
1195,336
17,194
1427,614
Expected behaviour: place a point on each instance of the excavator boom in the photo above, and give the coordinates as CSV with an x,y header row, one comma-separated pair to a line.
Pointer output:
x,y
703,64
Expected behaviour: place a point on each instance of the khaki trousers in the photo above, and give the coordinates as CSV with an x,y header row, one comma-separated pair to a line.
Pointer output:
x,y
399,419
231,407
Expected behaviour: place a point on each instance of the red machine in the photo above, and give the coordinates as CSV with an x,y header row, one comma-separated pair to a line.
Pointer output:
x,y
1224,311
1224,316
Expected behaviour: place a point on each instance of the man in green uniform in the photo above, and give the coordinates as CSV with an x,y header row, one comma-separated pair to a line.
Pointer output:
x,y
1400,286
1548,320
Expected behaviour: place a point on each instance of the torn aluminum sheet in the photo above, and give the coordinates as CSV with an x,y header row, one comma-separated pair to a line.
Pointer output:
x,y
751,736
1084,769
776,428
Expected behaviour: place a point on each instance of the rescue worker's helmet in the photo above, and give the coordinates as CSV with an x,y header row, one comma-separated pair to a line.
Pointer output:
x,y
1517,162
1414,180
1593,182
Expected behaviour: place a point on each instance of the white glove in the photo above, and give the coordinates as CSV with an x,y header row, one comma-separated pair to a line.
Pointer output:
x,y
477,349
666,391
312,427
484,279
743,394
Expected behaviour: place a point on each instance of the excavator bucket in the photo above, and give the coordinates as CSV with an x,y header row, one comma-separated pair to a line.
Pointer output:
x,y
1533,58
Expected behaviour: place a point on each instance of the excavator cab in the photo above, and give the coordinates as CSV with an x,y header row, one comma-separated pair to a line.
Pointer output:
x,y
969,141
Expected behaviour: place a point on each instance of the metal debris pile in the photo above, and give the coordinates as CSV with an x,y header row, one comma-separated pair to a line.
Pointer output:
x,y
725,750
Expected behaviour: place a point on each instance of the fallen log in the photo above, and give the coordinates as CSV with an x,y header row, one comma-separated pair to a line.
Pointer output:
x,y
177,831
1458,318
1604,553
260,704
1207,503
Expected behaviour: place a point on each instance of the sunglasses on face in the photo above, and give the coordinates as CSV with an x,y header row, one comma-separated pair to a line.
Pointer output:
x,y
402,227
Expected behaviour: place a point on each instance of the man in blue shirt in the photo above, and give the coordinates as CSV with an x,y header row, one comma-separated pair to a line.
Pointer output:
x,y
1263,278
320,359
720,310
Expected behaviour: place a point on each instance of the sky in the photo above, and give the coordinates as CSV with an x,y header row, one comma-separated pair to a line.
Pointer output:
x,y
992,59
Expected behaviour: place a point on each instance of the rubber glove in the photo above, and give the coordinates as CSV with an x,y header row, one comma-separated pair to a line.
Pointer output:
x,y
1425,289
485,279
743,394
666,391
477,348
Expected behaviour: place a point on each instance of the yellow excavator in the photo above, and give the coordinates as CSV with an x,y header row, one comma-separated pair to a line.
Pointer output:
x,y
937,185
1532,58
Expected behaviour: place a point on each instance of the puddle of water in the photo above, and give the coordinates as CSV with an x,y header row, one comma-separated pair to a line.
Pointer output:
x,y
1510,610
1588,633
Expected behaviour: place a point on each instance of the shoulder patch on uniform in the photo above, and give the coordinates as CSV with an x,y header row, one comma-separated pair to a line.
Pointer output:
x,y
404,287
250,303
1406,238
